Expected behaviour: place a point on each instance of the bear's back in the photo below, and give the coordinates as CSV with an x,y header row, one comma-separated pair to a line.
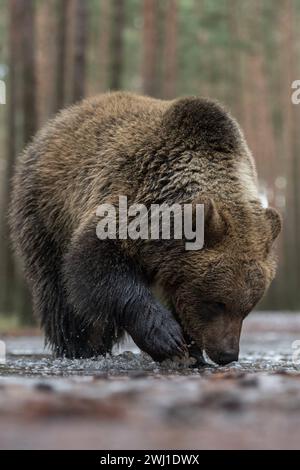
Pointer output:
x,y
124,144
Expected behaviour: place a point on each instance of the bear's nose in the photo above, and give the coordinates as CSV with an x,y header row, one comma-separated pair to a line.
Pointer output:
x,y
228,356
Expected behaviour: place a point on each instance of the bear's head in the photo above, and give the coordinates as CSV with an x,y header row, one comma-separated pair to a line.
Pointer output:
x,y
219,285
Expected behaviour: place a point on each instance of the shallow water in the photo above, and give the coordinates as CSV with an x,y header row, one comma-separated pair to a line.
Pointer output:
x,y
261,350
127,400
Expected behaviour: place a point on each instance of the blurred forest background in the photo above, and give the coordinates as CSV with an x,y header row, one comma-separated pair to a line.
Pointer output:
x,y
245,53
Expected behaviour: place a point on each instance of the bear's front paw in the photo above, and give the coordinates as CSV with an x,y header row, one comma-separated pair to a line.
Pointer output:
x,y
165,340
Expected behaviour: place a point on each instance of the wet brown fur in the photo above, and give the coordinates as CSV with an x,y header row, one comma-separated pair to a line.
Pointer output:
x,y
87,292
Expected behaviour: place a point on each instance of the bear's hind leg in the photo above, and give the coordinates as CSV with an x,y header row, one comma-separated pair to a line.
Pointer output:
x,y
65,333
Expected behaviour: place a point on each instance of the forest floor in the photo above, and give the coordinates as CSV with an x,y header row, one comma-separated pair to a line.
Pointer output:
x,y
128,401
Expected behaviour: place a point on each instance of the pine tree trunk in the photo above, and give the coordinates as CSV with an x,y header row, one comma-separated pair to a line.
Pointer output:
x,y
21,103
150,48
61,48
234,65
170,50
46,36
290,236
7,270
80,43
104,45
29,70
117,44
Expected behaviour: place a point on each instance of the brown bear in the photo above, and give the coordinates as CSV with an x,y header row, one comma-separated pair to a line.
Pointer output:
x,y
88,292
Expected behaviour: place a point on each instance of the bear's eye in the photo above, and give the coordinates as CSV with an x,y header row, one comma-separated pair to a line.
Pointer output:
x,y
219,307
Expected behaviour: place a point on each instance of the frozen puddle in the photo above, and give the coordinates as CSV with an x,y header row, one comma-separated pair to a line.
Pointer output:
x,y
129,401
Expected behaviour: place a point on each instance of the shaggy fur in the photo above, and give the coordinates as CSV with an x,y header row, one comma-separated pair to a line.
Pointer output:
x,y
88,292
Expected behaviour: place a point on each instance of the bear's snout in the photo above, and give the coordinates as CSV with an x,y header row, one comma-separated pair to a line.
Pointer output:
x,y
221,339
226,357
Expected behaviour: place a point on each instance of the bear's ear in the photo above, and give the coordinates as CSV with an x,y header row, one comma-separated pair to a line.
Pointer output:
x,y
275,222
214,224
